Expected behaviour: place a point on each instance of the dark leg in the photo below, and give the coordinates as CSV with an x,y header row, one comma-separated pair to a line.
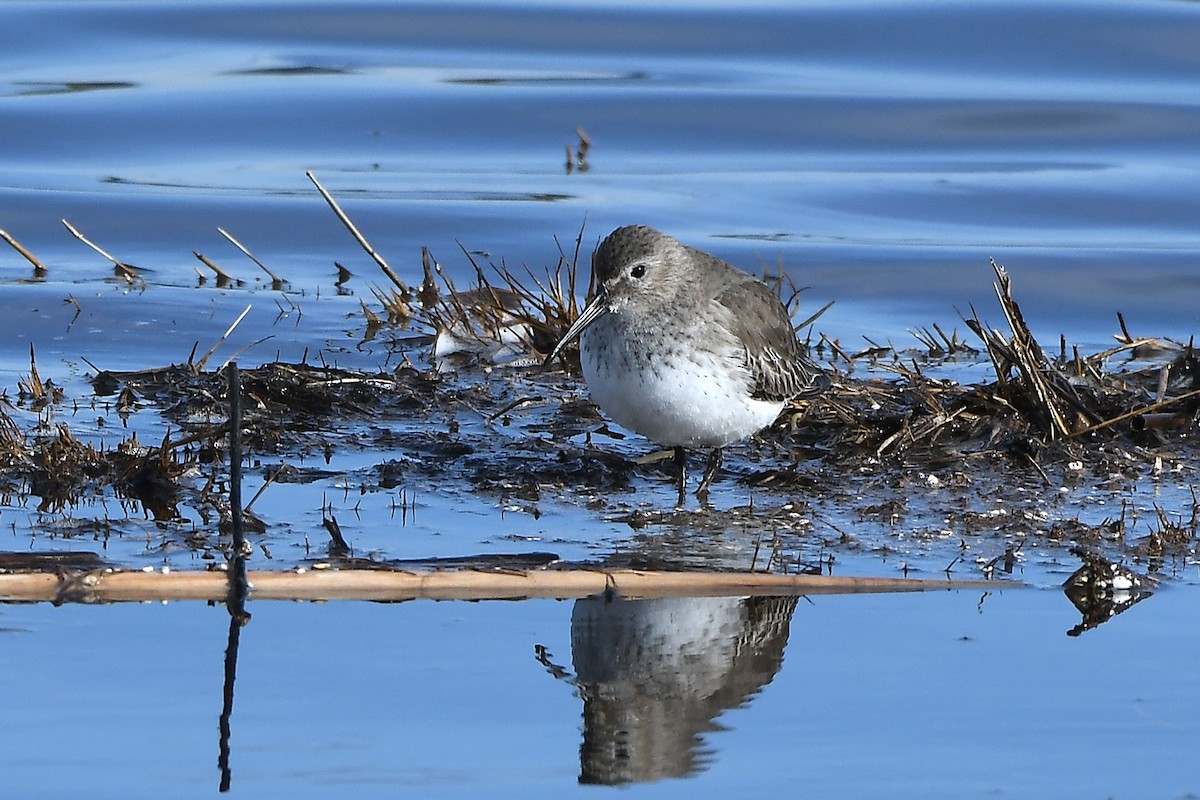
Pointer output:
x,y
714,466
681,475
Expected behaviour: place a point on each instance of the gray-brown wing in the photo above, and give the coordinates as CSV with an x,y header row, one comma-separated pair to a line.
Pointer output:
x,y
760,321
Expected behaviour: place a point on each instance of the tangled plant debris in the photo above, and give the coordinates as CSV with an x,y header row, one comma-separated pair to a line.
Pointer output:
x,y
894,457
874,444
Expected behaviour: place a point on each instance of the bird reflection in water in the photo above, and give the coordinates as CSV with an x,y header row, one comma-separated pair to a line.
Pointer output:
x,y
655,674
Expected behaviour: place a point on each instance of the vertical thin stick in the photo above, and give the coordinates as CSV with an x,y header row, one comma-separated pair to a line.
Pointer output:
x,y
235,464
239,588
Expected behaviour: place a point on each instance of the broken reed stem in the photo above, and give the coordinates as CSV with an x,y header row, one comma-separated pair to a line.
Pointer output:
x,y
813,317
36,388
1029,354
207,435
221,274
126,270
15,245
358,237
1137,412
272,475
275,279
334,584
204,359
255,343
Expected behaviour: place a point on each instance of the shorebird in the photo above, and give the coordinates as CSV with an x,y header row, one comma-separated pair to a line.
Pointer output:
x,y
684,348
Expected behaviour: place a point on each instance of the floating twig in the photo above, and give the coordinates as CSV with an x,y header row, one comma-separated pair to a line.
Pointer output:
x,y
377,584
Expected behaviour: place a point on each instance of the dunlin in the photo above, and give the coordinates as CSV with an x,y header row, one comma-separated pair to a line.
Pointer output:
x,y
684,348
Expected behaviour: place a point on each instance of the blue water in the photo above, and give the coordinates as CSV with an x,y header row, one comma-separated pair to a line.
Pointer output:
x,y
939,695
880,152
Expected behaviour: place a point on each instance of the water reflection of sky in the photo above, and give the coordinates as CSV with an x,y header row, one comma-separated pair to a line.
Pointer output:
x,y
1057,137
941,695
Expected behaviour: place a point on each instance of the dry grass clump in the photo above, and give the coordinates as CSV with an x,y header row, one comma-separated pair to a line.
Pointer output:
x,y
1072,403
517,319
12,442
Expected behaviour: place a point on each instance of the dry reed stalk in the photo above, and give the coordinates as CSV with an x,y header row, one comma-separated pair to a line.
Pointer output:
x,y
331,584
244,348
34,386
1040,393
276,281
1029,358
1133,344
199,366
128,271
38,267
373,320
223,277
12,441
358,237
394,303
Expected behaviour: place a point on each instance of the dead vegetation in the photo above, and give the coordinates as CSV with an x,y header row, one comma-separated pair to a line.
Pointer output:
x,y
1038,420
1073,406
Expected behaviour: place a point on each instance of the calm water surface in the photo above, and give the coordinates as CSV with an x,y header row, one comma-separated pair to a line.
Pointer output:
x,y
880,152
939,695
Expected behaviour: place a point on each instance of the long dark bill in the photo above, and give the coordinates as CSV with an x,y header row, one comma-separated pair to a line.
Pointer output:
x,y
597,308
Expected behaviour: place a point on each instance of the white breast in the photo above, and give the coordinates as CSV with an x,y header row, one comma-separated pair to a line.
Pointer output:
x,y
675,393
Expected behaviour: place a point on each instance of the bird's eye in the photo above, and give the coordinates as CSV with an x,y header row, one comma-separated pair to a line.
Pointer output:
x,y
638,271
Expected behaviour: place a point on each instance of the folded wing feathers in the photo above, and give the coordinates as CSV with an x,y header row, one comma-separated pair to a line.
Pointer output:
x,y
777,367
